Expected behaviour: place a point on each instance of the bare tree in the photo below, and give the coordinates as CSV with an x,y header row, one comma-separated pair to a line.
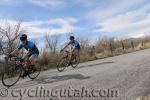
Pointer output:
x,y
0,46
52,43
9,34
102,44
84,43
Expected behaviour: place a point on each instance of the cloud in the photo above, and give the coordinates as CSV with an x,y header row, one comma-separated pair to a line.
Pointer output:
x,y
87,3
37,29
49,4
112,9
133,22
65,27
10,2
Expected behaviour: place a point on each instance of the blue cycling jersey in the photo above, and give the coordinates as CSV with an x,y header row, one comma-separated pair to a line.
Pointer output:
x,y
30,46
74,44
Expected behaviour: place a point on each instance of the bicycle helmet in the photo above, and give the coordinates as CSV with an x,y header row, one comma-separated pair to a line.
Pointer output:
x,y
71,38
23,37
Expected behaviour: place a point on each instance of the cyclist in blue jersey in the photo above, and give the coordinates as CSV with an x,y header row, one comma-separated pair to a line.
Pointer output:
x,y
75,47
32,49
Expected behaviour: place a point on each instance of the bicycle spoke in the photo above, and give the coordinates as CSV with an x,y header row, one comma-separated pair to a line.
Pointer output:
x,y
34,72
11,76
75,62
62,65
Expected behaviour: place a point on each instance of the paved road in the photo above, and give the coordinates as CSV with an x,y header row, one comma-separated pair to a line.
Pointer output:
x,y
124,77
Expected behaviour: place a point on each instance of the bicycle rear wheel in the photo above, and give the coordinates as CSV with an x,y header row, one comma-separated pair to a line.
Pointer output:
x,y
11,75
75,61
62,64
34,72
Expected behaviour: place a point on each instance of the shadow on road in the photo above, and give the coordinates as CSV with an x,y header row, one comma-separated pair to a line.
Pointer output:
x,y
47,80
92,65
51,79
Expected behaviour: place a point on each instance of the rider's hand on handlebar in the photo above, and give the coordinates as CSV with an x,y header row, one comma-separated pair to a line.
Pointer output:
x,y
61,50
21,61
10,55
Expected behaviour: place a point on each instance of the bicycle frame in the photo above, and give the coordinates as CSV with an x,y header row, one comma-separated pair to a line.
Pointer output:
x,y
20,68
61,65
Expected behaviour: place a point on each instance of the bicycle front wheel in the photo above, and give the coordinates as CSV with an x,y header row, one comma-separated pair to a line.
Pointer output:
x,y
62,64
11,75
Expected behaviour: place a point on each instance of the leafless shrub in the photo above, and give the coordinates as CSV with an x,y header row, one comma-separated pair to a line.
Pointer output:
x,y
9,34
8,39
52,43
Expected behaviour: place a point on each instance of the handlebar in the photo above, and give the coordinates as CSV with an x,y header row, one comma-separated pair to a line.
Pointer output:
x,y
65,51
12,58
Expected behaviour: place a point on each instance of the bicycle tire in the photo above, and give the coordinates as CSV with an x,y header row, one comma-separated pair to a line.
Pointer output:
x,y
10,72
35,72
74,65
62,64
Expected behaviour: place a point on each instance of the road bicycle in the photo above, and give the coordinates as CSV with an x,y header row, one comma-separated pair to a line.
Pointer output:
x,y
65,61
13,70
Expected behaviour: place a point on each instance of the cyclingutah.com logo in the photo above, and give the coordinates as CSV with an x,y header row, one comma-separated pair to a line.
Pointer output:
x,y
70,92
3,92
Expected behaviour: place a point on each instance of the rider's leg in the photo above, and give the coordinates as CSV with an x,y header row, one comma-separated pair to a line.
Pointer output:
x,y
29,63
74,53
70,58
33,59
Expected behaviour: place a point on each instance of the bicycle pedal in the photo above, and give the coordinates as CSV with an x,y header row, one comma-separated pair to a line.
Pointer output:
x,y
70,63
25,74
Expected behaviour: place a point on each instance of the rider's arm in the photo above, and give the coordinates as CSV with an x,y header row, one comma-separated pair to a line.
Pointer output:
x,y
72,50
27,55
66,46
15,51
